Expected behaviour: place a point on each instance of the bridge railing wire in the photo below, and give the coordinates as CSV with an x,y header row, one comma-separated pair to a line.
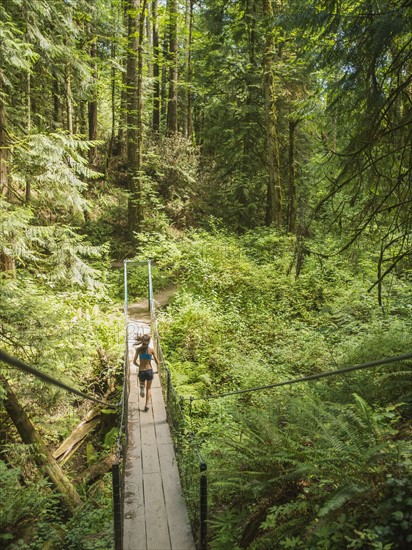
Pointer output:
x,y
120,456
118,473
192,468
117,468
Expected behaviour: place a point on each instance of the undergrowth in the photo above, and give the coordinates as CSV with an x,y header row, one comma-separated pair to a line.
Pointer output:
x,y
315,465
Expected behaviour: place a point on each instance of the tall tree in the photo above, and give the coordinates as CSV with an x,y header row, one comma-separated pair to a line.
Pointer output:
x,y
156,68
136,14
69,98
274,206
4,149
365,59
172,120
292,191
187,114
93,101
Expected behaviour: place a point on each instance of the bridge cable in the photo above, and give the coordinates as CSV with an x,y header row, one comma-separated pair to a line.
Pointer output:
x,y
14,362
307,378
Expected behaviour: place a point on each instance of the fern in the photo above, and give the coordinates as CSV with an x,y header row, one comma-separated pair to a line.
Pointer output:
x,y
325,458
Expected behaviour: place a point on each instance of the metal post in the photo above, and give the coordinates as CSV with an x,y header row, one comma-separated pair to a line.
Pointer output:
x,y
203,507
169,384
117,508
126,298
149,281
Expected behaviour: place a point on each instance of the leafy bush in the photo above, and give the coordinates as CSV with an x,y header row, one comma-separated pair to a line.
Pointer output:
x,y
24,506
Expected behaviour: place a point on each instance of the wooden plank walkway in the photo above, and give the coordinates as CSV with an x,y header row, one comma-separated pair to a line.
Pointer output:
x,y
155,515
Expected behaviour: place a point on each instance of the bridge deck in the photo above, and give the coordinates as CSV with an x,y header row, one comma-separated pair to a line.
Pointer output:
x,y
155,515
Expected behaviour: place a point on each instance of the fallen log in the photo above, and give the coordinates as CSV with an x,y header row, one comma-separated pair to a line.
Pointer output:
x,y
90,475
75,440
78,435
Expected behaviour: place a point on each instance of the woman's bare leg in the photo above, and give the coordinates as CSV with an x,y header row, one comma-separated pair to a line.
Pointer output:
x,y
148,392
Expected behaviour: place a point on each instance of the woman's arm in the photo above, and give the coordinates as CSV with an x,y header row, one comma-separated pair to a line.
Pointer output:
x,y
136,355
152,351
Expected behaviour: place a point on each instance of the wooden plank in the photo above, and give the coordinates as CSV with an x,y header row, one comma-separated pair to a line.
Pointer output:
x,y
160,420
150,455
179,526
157,529
163,433
134,536
134,525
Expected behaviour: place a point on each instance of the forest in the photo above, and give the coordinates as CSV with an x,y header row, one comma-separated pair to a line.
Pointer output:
x,y
260,152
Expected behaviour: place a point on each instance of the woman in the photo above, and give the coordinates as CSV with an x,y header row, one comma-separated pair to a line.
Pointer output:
x,y
145,355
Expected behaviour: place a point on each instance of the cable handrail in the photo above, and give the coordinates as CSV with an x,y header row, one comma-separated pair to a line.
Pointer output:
x,y
310,377
14,362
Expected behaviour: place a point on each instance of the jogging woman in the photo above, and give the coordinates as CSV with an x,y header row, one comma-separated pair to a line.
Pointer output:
x,y
145,354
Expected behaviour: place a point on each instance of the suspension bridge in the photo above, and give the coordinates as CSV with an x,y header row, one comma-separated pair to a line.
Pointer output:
x,y
151,512
149,509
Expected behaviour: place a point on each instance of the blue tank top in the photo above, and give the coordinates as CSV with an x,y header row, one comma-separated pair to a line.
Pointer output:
x,y
145,355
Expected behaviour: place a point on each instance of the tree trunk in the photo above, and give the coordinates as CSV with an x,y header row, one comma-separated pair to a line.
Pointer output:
x,y
292,207
156,70
7,263
113,108
78,435
69,102
187,119
140,85
164,79
121,148
172,123
122,131
273,209
90,475
28,179
92,105
134,115
149,38
42,456
56,102
4,151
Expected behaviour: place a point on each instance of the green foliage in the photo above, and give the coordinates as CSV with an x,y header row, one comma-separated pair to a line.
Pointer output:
x,y
295,470
56,170
36,235
311,466
23,505
322,465
172,164
91,528
363,56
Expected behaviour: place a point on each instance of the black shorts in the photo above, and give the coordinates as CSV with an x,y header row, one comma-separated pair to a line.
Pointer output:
x,y
146,375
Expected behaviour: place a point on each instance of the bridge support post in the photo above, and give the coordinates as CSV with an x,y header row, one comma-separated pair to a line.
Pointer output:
x,y
203,507
169,384
117,508
150,285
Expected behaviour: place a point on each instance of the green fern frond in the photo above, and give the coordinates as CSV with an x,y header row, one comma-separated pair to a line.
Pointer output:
x,y
340,498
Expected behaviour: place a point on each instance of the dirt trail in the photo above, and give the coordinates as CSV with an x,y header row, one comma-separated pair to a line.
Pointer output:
x,y
139,311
